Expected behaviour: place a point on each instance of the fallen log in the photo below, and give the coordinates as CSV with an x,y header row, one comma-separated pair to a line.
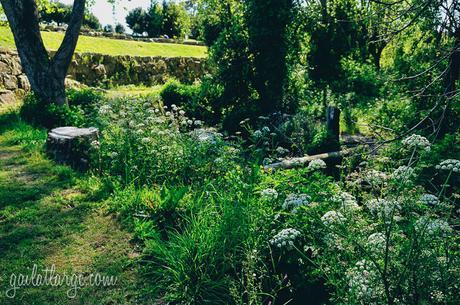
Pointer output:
x,y
301,161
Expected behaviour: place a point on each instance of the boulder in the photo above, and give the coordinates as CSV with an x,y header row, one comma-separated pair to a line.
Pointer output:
x,y
7,97
72,145
23,82
10,82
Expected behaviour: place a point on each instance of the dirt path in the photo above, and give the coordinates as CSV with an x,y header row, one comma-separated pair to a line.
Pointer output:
x,y
46,221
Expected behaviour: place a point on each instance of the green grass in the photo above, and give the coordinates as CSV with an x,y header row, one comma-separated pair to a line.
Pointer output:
x,y
48,217
108,46
134,90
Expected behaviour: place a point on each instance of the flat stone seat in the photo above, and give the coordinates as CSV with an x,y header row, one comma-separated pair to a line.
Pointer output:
x,y
72,132
71,145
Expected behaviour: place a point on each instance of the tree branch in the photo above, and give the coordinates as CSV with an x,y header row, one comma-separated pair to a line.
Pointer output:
x,y
63,56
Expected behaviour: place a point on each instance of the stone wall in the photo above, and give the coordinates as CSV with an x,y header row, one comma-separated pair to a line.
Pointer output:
x,y
100,70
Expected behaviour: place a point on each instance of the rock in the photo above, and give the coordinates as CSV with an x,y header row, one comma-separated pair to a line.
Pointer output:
x,y
9,81
72,145
23,82
7,97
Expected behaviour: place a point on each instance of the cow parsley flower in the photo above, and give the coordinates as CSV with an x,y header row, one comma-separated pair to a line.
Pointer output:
x,y
429,199
294,201
258,134
449,165
285,238
269,194
363,281
317,164
376,241
403,174
417,141
384,209
346,201
332,218
281,150
375,178
433,227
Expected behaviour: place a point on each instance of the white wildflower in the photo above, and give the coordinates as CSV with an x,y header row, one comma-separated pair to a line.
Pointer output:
x,y
332,218
104,109
375,178
281,150
403,174
285,238
294,201
346,201
269,194
317,164
258,134
429,199
113,154
265,129
433,227
385,209
376,241
449,165
363,281
417,141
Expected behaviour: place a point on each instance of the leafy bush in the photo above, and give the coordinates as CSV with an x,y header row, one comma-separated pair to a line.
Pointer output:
x,y
188,97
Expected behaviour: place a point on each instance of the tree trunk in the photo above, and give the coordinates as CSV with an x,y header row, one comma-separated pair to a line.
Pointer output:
x,y
46,75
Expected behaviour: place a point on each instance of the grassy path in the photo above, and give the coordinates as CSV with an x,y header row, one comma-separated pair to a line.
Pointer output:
x,y
46,220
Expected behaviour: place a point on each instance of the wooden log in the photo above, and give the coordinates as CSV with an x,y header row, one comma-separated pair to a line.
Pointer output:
x,y
302,161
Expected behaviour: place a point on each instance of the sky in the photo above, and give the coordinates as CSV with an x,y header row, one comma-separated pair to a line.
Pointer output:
x,y
105,11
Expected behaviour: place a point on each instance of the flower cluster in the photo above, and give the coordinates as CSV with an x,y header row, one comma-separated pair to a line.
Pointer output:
x,y
363,281
433,227
385,209
269,194
317,164
417,141
285,238
281,150
332,218
376,241
449,165
346,201
294,201
375,178
403,174
429,199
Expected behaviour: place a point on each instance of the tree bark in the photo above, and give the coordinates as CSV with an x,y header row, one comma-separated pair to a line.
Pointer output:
x,y
46,75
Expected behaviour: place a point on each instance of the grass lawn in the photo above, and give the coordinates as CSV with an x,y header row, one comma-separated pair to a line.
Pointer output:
x,y
48,218
112,46
134,90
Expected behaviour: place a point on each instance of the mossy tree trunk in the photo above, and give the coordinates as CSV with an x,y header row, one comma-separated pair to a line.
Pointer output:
x,y
46,74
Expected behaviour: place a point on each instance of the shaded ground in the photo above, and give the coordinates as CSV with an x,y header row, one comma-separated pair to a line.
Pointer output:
x,y
45,219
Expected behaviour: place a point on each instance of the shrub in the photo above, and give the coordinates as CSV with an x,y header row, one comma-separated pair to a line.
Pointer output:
x,y
188,97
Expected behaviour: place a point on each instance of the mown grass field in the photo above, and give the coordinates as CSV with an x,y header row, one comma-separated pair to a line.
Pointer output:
x,y
108,46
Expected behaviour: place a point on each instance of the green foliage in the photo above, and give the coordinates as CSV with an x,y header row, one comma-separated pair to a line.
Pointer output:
x,y
79,111
119,28
169,18
60,13
136,20
187,97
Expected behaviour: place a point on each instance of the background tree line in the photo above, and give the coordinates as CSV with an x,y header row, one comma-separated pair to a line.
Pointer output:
x,y
167,18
